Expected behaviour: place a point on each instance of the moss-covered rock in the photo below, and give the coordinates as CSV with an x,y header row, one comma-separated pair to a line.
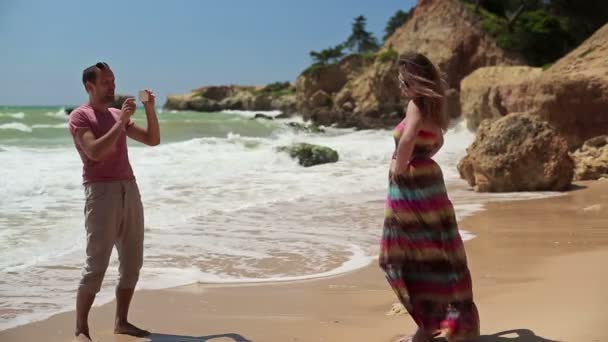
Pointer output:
x,y
310,155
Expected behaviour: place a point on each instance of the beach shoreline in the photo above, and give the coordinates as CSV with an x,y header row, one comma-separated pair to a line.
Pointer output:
x,y
533,263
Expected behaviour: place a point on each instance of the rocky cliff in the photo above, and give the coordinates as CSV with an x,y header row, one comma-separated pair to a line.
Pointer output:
x,y
215,98
572,95
363,92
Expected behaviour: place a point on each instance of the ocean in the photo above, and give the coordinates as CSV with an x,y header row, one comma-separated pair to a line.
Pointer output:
x,y
221,205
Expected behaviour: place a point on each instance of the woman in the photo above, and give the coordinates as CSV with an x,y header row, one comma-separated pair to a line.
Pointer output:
x,y
422,253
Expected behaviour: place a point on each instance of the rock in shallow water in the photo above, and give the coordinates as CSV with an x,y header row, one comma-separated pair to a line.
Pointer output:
x,y
310,155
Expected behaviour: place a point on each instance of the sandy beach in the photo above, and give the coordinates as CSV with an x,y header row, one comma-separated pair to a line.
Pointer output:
x,y
537,268
260,152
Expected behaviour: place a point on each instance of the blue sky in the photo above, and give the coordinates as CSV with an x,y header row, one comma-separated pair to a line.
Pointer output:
x,y
170,46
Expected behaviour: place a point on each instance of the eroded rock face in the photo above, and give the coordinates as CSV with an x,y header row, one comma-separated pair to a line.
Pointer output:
x,y
517,153
449,34
488,92
591,159
365,94
572,95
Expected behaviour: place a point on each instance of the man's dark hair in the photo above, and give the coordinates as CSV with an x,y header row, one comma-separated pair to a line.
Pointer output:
x,y
90,74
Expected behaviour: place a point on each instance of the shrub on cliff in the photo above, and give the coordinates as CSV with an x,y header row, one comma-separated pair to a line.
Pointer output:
x,y
542,31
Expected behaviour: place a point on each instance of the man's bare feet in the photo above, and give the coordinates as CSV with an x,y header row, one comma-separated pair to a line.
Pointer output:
x,y
127,328
82,333
81,337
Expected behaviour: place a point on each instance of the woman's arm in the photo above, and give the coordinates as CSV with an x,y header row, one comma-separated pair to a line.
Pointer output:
x,y
405,147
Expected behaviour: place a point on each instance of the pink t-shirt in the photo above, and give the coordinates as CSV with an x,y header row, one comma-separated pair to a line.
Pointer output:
x,y
113,167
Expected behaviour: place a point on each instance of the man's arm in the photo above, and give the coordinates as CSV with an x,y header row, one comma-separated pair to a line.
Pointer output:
x,y
97,149
151,134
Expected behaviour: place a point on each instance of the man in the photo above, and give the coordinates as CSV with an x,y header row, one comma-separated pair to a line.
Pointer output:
x,y
113,209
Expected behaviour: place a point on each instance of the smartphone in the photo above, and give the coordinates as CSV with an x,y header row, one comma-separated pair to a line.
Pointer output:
x,y
143,96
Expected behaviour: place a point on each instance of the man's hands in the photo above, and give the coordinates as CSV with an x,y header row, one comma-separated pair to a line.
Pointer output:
x,y
151,103
128,109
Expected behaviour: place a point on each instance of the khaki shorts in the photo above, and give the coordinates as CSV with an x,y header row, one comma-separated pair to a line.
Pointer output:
x,y
114,216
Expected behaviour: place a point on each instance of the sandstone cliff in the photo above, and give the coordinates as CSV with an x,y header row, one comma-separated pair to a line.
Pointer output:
x,y
572,95
364,94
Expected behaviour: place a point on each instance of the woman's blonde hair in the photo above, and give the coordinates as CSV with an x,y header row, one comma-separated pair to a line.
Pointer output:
x,y
423,82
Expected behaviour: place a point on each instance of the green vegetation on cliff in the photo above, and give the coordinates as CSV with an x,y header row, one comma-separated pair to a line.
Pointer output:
x,y
396,21
359,42
328,56
277,89
541,30
388,55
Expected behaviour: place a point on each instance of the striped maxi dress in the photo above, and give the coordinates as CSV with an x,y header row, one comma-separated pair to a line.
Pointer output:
x,y
421,251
